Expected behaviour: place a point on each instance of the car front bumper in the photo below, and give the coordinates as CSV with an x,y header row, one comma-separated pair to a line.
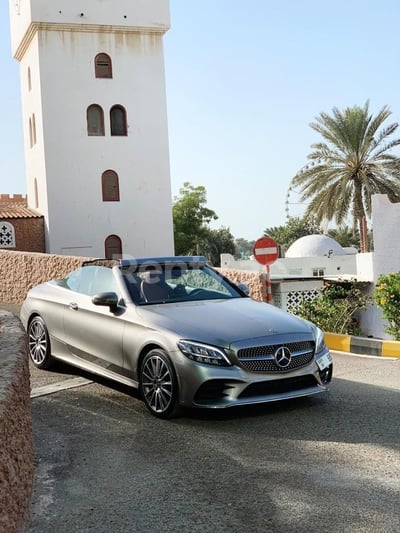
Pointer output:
x,y
214,387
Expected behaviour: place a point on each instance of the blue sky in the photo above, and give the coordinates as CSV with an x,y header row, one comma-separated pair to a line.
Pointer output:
x,y
244,80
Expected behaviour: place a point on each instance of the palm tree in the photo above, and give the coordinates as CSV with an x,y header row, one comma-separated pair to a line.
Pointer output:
x,y
353,164
345,236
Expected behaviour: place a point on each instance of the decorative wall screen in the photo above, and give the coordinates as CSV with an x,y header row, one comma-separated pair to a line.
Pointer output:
x,y
296,298
7,235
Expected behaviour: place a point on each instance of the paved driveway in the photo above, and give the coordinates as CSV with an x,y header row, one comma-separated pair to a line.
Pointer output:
x,y
329,463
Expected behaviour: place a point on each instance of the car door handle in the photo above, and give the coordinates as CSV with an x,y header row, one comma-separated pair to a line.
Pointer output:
x,y
73,306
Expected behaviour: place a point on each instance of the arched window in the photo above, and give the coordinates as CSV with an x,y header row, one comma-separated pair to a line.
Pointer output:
x,y
103,66
36,193
118,120
29,79
30,133
7,235
113,247
95,120
110,186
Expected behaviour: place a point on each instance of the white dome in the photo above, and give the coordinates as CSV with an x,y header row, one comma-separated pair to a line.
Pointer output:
x,y
315,246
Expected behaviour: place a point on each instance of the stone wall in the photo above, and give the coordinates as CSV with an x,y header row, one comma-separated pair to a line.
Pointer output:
x,y
19,271
16,446
256,281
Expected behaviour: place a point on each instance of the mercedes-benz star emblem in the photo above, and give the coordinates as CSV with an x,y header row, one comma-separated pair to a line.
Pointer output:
x,y
283,357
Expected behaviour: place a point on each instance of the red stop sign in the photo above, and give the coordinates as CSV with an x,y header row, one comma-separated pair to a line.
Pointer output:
x,y
265,251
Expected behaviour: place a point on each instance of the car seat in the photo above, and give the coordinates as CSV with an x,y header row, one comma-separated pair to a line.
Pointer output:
x,y
154,288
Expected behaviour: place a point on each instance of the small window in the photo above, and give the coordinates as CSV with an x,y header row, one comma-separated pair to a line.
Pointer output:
x,y
30,133
36,192
29,79
118,120
110,186
33,129
113,247
95,120
103,66
7,235
318,272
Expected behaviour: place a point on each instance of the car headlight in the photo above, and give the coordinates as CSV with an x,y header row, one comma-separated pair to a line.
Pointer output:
x,y
203,353
318,336
319,340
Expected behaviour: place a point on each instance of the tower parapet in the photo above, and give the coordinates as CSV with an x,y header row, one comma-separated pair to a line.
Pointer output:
x,y
27,16
13,199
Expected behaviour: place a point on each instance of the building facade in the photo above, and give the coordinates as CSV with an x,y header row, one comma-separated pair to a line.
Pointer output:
x,y
95,123
21,228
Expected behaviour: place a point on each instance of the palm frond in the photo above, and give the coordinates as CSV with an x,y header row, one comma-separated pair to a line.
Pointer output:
x,y
352,163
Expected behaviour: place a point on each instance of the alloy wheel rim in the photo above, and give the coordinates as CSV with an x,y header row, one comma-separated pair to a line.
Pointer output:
x,y
37,342
157,384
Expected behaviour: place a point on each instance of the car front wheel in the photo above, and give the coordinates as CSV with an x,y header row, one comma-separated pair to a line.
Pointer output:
x,y
158,385
39,343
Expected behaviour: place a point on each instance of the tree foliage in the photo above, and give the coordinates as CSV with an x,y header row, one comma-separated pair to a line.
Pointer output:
x,y
353,163
345,236
335,309
295,228
243,248
192,233
387,297
191,218
217,241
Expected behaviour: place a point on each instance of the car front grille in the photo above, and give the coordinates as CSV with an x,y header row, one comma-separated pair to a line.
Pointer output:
x,y
261,358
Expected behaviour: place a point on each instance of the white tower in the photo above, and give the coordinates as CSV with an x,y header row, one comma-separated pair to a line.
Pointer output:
x,y
95,123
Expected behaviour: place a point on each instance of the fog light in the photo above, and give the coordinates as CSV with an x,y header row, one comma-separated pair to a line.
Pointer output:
x,y
326,375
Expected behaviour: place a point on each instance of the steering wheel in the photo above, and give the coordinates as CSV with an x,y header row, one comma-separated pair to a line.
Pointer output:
x,y
195,292
180,289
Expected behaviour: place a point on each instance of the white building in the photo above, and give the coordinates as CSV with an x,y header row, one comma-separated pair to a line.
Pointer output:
x,y
309,256
312,259
95,123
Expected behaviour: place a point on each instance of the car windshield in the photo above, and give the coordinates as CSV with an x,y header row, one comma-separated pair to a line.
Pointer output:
x,y
151,284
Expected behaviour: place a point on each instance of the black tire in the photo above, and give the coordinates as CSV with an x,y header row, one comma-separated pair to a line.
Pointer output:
x,y
158,385
39,348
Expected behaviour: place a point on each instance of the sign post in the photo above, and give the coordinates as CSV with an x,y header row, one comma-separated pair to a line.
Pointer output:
x,y
266,251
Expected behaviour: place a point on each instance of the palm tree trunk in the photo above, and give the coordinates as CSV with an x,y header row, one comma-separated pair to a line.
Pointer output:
x,y
363,234
359,212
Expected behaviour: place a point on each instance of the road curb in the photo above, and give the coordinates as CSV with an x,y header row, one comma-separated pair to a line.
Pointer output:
x,y
362,345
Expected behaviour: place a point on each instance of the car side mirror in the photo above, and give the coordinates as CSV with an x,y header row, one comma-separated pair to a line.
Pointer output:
x,y
107,299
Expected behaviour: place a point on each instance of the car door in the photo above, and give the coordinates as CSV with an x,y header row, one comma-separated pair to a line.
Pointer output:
x,y
94,333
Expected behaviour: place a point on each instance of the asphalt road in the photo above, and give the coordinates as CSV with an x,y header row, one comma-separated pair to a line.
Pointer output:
x,y
329,463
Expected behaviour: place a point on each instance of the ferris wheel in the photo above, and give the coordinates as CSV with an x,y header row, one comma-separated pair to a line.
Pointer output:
x,y
294,206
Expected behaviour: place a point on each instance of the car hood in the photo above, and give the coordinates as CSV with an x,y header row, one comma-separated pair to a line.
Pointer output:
x,y
223,322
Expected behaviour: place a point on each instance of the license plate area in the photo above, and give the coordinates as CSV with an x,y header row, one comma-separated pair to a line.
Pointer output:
x,y
324,361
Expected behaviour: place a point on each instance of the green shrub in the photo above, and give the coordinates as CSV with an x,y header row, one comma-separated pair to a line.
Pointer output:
x,y
333,311
387,297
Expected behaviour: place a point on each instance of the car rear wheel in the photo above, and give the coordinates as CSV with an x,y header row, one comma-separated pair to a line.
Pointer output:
x,y
39,343
158,385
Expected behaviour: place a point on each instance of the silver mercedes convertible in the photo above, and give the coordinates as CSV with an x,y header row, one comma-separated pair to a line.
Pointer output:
x,y
177,330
